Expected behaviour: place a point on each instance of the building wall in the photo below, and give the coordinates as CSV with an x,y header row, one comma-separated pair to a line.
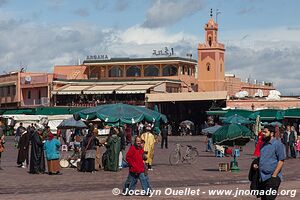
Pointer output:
x,y
34,96
252,88
247,104
234,85
71,71
9,90
186,73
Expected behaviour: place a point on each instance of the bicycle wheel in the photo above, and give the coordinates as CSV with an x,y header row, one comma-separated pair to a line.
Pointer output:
x,y
193,156
174,158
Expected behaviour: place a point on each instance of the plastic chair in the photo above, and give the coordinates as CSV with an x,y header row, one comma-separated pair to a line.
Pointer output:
x,y
218,153
236,152
64,147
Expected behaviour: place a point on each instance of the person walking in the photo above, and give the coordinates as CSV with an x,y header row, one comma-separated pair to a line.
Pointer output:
x,y
134,158
164,136
272,156
23,147
113,150
149,139
51,147
285,139
292,141
88,154
18,134
37,158
298,146
1,141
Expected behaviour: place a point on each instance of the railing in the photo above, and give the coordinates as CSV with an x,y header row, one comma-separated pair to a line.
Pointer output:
x,y
91,104
44,101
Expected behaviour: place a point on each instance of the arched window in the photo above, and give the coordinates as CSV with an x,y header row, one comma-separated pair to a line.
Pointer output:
x,y
209,41
115,71
151,70
133,71
170,70
208,67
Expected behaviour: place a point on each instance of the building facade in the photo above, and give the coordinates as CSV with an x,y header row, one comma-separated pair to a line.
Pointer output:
x,y
21,89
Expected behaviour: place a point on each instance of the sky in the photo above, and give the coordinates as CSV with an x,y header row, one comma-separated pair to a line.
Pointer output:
x,y
262,37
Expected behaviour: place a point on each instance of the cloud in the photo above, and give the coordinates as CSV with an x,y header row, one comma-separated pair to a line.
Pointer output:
x,y
275,62
121,5
82,12
166,12
55,4
100,4
62,45
41,46
2,2
245,11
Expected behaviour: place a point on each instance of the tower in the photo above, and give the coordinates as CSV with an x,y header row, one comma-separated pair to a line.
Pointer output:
x,y
211,75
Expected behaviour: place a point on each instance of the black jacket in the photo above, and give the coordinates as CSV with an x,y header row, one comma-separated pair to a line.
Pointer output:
x,y
254,176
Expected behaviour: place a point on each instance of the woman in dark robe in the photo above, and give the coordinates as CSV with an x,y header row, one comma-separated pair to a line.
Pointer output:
x,y
23,147
88,155
37,158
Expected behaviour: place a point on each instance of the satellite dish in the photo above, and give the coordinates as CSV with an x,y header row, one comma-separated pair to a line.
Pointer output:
x,y
27,78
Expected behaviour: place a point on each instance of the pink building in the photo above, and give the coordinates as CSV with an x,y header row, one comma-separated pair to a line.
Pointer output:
x,y
21,89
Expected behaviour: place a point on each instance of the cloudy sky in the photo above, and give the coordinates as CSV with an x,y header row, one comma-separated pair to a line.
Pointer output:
x,y
262,37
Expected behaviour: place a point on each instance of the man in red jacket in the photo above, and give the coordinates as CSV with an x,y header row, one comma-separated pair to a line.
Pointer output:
x,y
134,158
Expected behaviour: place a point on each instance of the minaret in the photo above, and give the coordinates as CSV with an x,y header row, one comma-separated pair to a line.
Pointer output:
x,y
211,75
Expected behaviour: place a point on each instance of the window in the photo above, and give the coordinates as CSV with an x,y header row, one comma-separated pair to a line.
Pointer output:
x,y
115,71
29,94
14,90
151,70
40,95
170,70
133,71
221,68
209,41
208,67
8,90
1,92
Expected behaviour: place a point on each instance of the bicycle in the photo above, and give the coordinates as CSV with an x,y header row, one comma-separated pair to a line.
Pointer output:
x,y
190,155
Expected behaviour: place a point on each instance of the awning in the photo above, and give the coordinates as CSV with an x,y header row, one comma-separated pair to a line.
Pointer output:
x,y
102,89
216,112
133,89
292,113
8,83
240,112
71,89
186,96
268,114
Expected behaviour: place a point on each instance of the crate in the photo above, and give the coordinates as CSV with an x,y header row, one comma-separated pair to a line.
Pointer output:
x,y
224,167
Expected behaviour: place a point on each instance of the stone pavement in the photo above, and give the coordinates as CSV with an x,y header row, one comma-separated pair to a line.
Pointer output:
x,y
16,183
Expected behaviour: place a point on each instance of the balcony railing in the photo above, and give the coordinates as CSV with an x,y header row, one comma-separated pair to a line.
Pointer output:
x,y
44,101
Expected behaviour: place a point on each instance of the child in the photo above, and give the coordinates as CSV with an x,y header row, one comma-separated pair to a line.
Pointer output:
x,y
298,146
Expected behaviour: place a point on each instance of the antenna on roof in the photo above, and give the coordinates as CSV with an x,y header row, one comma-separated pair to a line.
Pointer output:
x,y
217,13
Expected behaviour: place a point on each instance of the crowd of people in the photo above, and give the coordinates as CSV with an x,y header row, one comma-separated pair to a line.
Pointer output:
x,y
39,150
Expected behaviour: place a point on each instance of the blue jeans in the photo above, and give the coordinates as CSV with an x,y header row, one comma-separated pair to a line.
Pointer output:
x,y
209,144
131,182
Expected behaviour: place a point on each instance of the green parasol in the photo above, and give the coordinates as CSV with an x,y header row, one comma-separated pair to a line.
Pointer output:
x,y
120,113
